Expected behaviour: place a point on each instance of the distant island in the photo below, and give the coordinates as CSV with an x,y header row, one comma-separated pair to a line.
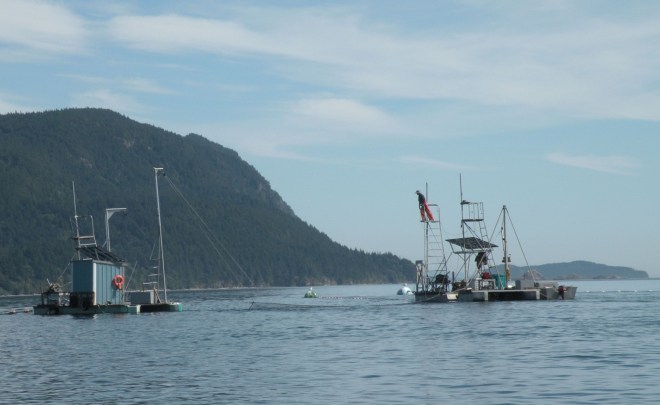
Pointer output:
x,y
576,270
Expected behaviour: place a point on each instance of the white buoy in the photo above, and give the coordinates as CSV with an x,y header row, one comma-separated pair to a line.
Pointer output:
x,y
404,290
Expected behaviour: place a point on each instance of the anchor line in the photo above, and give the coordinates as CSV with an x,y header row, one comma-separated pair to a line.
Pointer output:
x,y
210,236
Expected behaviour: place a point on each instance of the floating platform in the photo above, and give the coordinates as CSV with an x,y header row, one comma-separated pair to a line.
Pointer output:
x,y
107,309
528,294
55,302
429,296
541,292
98,276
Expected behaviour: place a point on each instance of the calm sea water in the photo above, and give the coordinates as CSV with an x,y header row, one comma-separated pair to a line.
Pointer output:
x,y
354,344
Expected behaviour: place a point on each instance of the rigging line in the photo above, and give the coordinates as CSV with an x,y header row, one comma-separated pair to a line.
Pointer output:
x,y
445,258
130,277
205,228
497,223
471,231
209,236
153,249
61,276
152,258
209,233
518,240
491,237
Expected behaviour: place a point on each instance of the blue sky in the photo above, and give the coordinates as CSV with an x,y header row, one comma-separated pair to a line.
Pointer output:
x,y
552,108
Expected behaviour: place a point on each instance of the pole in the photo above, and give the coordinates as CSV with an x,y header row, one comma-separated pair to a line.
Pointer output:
x,y
160,233
75,219
463,202
507,270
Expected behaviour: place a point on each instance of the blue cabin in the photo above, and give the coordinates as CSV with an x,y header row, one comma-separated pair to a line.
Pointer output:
x,y
97,279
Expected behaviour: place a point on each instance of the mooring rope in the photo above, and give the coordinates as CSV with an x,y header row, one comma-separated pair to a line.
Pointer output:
x,y
210,236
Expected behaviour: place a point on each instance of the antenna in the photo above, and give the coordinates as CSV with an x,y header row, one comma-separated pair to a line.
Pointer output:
x,y
460,184
75,218
75,210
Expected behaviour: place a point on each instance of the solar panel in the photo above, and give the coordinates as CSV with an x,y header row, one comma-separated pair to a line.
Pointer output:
x,y
471,243
98,253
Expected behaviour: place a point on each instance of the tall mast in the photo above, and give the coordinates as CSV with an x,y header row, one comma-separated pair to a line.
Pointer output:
x,y
75,220
75,215
463,202
426,237
161,259
505,259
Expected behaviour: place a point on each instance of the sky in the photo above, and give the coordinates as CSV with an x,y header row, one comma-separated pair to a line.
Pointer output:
x,y
551,108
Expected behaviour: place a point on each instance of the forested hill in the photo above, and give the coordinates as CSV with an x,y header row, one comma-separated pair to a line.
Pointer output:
x,y
111,158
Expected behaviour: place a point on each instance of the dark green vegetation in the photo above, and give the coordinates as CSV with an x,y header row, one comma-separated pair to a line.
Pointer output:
x,y
110,159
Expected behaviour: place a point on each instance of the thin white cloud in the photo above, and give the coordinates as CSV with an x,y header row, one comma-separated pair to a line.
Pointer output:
x,y
343,115
586,67
521,70
433,163
295,129
133,84
41,26
274,148
174,34
277,142
142,85
104,98
624,165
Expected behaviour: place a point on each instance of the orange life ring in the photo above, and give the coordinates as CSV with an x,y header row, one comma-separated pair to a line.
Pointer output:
x,y
118,281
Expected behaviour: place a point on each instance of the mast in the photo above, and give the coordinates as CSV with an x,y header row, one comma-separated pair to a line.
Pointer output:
x,y
161,258
506,259
463,202
75,218
426,242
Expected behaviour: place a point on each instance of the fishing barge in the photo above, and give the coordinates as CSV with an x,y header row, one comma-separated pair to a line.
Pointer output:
x,y
98,276
478,278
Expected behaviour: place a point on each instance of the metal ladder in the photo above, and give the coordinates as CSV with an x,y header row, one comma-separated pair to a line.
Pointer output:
x,y
435,260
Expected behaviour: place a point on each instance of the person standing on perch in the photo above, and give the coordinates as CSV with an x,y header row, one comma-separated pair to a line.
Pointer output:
x,y
424,210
